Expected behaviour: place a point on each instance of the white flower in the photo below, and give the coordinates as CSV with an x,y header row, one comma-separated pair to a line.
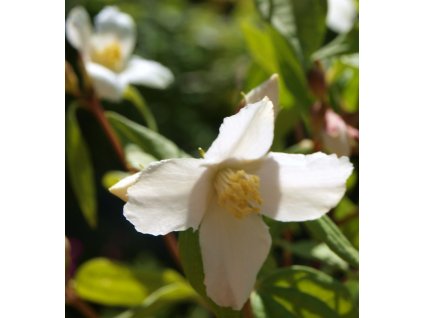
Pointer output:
x,y
341,15
107,52
225,193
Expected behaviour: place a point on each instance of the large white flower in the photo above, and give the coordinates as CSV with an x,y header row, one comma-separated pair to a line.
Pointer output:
x,y
107,52
225,193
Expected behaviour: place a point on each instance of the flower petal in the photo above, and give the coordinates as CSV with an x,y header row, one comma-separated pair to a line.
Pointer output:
x,y
269,88
147,72
246,135
302,187
170,195
78,28
341,15
120,188
107,84
112,23
233,251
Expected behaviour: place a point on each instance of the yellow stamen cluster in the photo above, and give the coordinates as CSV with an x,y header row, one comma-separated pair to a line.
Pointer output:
x,y
110,56
238,192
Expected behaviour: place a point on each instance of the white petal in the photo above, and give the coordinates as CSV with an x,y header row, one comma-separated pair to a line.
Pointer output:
x,y
112,23
170,195
107,84
120,188
341,15
147,72
246,135
302,187
233,251
78,28
269,88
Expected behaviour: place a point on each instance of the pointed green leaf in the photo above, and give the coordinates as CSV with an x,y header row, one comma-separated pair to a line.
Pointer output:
x,y
132,94
81,172
324,229
310,21
189,248
149,141
305,292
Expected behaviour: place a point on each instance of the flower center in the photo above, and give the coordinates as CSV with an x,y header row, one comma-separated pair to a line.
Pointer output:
x,y
238,192
110,56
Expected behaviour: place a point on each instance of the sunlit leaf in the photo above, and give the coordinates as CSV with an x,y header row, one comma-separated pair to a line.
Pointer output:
x,y
189,248
304,292
109,283
324,229
148,140
81,172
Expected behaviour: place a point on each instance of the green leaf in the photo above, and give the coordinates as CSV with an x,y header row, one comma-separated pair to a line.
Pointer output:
x,y
132,94
327,231
343,44
163,298
292,72
189,248
109,283
149,141
314,251
275,54
301,22
136,157
81,172
343,82
305,292
310,20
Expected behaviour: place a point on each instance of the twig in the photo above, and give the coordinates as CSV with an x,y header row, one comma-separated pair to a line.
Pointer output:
x,y
73,300
247,311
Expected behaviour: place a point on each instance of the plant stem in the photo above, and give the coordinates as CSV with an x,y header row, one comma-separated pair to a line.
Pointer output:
x,y
247,311
73,300
98,112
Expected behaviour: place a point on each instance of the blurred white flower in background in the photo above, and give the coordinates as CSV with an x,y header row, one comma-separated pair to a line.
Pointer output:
x,y
337,136
341,15
107,52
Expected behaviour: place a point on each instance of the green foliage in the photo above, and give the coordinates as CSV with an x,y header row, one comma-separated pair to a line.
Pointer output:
x,y
325,230
103,281
189,248
147,290
81,173
300,22
300,291
311,250
148,140
275,54
203,46
343,44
